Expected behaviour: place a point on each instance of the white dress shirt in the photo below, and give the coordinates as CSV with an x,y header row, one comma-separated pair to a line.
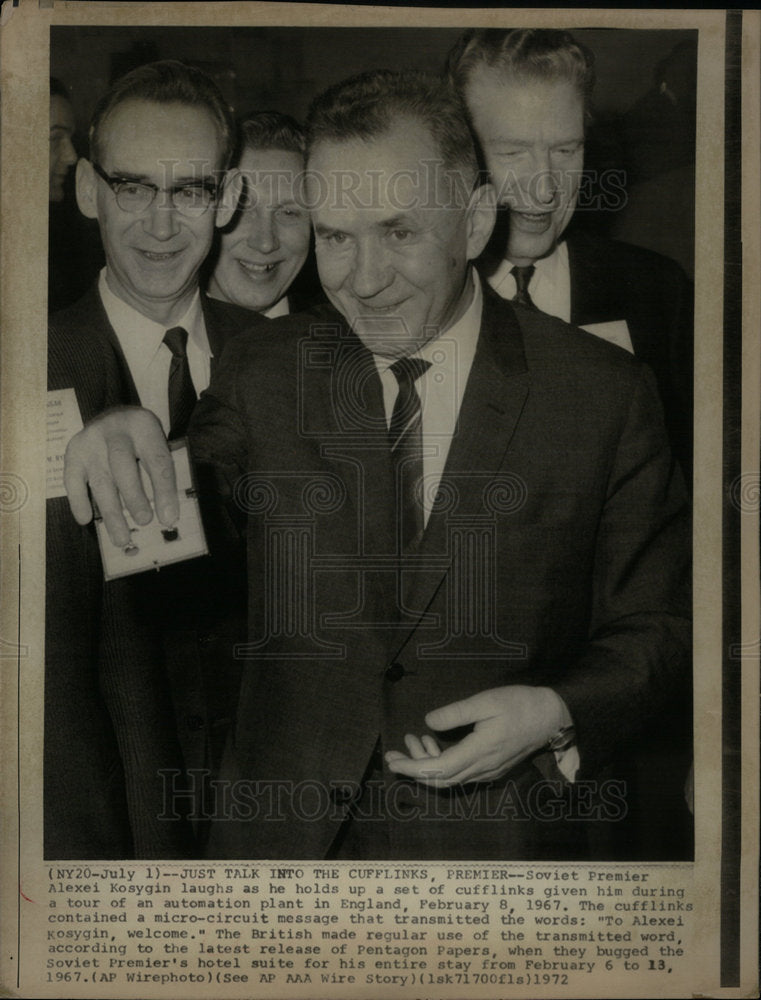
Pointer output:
x,y
550,291
550,285
440,389
148,357
280,308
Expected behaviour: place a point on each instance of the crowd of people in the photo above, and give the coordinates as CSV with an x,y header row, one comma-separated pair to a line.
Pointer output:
x,y
445,489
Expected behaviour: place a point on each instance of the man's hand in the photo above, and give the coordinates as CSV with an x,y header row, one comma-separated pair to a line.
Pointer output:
x,y
510,723
104,456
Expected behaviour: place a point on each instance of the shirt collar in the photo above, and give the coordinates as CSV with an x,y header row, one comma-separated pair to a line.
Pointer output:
x,y
457,344
450,355
280,308
551,265
141,337
546,266
550,287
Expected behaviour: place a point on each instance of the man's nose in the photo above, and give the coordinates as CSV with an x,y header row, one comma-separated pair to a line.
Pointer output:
x,y
545,182
546,187
162,218
371,272
262,232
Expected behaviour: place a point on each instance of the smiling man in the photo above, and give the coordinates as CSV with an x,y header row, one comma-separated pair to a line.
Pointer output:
x,y
528,92
154,182
533,142
160,143
467,550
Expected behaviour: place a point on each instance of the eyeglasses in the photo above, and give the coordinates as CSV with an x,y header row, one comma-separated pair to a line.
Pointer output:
x,y
190,200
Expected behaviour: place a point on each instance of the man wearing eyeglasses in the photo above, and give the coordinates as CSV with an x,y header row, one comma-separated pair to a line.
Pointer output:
x,y
160,143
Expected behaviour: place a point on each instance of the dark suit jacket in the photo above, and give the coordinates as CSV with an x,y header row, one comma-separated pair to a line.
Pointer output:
x,y
557,554
112,650
618,281
612,280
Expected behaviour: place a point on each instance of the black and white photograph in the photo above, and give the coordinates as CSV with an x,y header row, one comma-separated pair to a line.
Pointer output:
x,y
385,405
468,636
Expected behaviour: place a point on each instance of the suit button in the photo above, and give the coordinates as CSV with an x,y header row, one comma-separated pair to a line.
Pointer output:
x,y
395,672
194,723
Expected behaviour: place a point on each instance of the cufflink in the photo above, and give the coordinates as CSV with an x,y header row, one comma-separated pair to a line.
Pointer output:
x,y
562,740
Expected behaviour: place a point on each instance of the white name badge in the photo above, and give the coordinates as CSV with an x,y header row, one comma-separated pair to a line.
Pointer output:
x,y
615,332
63,421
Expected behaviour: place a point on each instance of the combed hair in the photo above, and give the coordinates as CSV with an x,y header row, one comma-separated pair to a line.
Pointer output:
x,y
166,82
368,105
270,130
523,53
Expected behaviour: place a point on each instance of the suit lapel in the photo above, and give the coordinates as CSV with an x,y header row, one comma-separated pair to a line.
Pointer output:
x,y
127,391
223,320
216,335
591,293
599,291
494,398
344,410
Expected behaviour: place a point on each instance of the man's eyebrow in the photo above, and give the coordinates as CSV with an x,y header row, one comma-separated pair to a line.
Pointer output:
x,y
322,230
506,140
128,175
527,143
194,179
402,219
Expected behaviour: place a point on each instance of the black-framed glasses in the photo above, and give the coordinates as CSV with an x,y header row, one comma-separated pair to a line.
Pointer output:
x,y
190,199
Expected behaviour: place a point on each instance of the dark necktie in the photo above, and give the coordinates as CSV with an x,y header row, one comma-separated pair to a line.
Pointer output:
x,y
522,277
406,440
182,395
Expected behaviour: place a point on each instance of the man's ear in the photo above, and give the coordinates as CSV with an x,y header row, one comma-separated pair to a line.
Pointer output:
x,y
232,187
86,187
481,217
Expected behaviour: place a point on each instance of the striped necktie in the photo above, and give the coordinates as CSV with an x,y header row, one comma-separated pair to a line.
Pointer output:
x,y
406,441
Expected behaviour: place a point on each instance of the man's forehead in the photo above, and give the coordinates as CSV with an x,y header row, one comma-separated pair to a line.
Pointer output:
x,y
510,107
386,176
160,131
487,83
253,157
407,136
271,167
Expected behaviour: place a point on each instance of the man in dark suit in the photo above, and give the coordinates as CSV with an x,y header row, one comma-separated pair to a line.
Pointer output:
x,y
463,516
528,93
160,142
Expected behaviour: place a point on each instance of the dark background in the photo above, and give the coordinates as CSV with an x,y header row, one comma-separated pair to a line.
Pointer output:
x,y
285,68
634,132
